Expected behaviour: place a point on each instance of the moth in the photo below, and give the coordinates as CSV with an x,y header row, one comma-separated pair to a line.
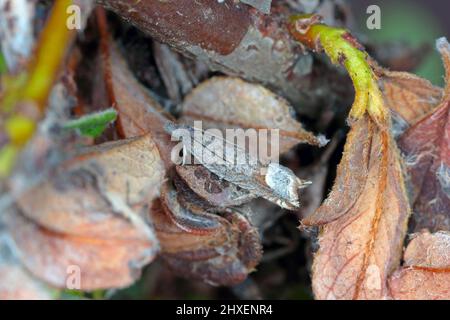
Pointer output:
x,y
232,163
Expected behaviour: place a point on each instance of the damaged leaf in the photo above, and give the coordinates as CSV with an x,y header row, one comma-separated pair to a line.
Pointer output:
x,y
410,96
103,263
425,274
138,113
218,249
95,205
426,147
216,191
365,216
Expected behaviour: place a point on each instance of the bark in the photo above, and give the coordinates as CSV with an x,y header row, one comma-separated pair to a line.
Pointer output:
x,y
233,38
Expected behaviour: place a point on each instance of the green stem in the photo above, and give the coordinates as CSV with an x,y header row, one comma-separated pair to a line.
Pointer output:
x,y
343,49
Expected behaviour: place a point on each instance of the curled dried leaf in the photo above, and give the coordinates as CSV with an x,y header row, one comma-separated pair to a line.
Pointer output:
x,y
425,274
220,250
138,112
90,213
97,192
426,147
351,177
408,95
362,245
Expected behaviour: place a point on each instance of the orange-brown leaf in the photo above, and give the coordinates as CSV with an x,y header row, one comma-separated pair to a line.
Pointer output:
x,y
138,113
104,263
225,102
362,245
425,274
220,250
351,176
90,212
426,147
410,96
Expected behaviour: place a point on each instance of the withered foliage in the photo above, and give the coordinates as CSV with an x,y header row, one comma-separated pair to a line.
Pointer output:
x,y
91,212
365,219
118,205
426,146
425,274
365,216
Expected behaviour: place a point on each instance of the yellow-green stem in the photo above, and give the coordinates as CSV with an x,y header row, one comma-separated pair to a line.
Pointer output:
x,y
33,86
343,49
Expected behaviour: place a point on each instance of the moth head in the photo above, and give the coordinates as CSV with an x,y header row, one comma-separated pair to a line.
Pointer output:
x,y
285,184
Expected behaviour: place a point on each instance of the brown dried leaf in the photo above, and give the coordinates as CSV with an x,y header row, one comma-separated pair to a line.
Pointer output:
x,y
361,243
225,102
138,112
220,250
104,263
408,96
426,147
425,274
15,282
352,174
90,213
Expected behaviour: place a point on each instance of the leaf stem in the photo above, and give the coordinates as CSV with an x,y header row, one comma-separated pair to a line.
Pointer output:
x,y
343,49
25,95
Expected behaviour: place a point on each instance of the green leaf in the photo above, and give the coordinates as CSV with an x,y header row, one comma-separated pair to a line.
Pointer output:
x,y
92,125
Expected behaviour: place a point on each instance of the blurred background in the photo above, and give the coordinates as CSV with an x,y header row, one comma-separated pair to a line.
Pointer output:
x,y
414,22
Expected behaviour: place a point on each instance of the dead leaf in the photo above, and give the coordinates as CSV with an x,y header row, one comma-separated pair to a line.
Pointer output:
x,y
83,193
138,112
225,103
426,147
352,174
91,213
408,96
15,282
220,250
425,274
366,217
